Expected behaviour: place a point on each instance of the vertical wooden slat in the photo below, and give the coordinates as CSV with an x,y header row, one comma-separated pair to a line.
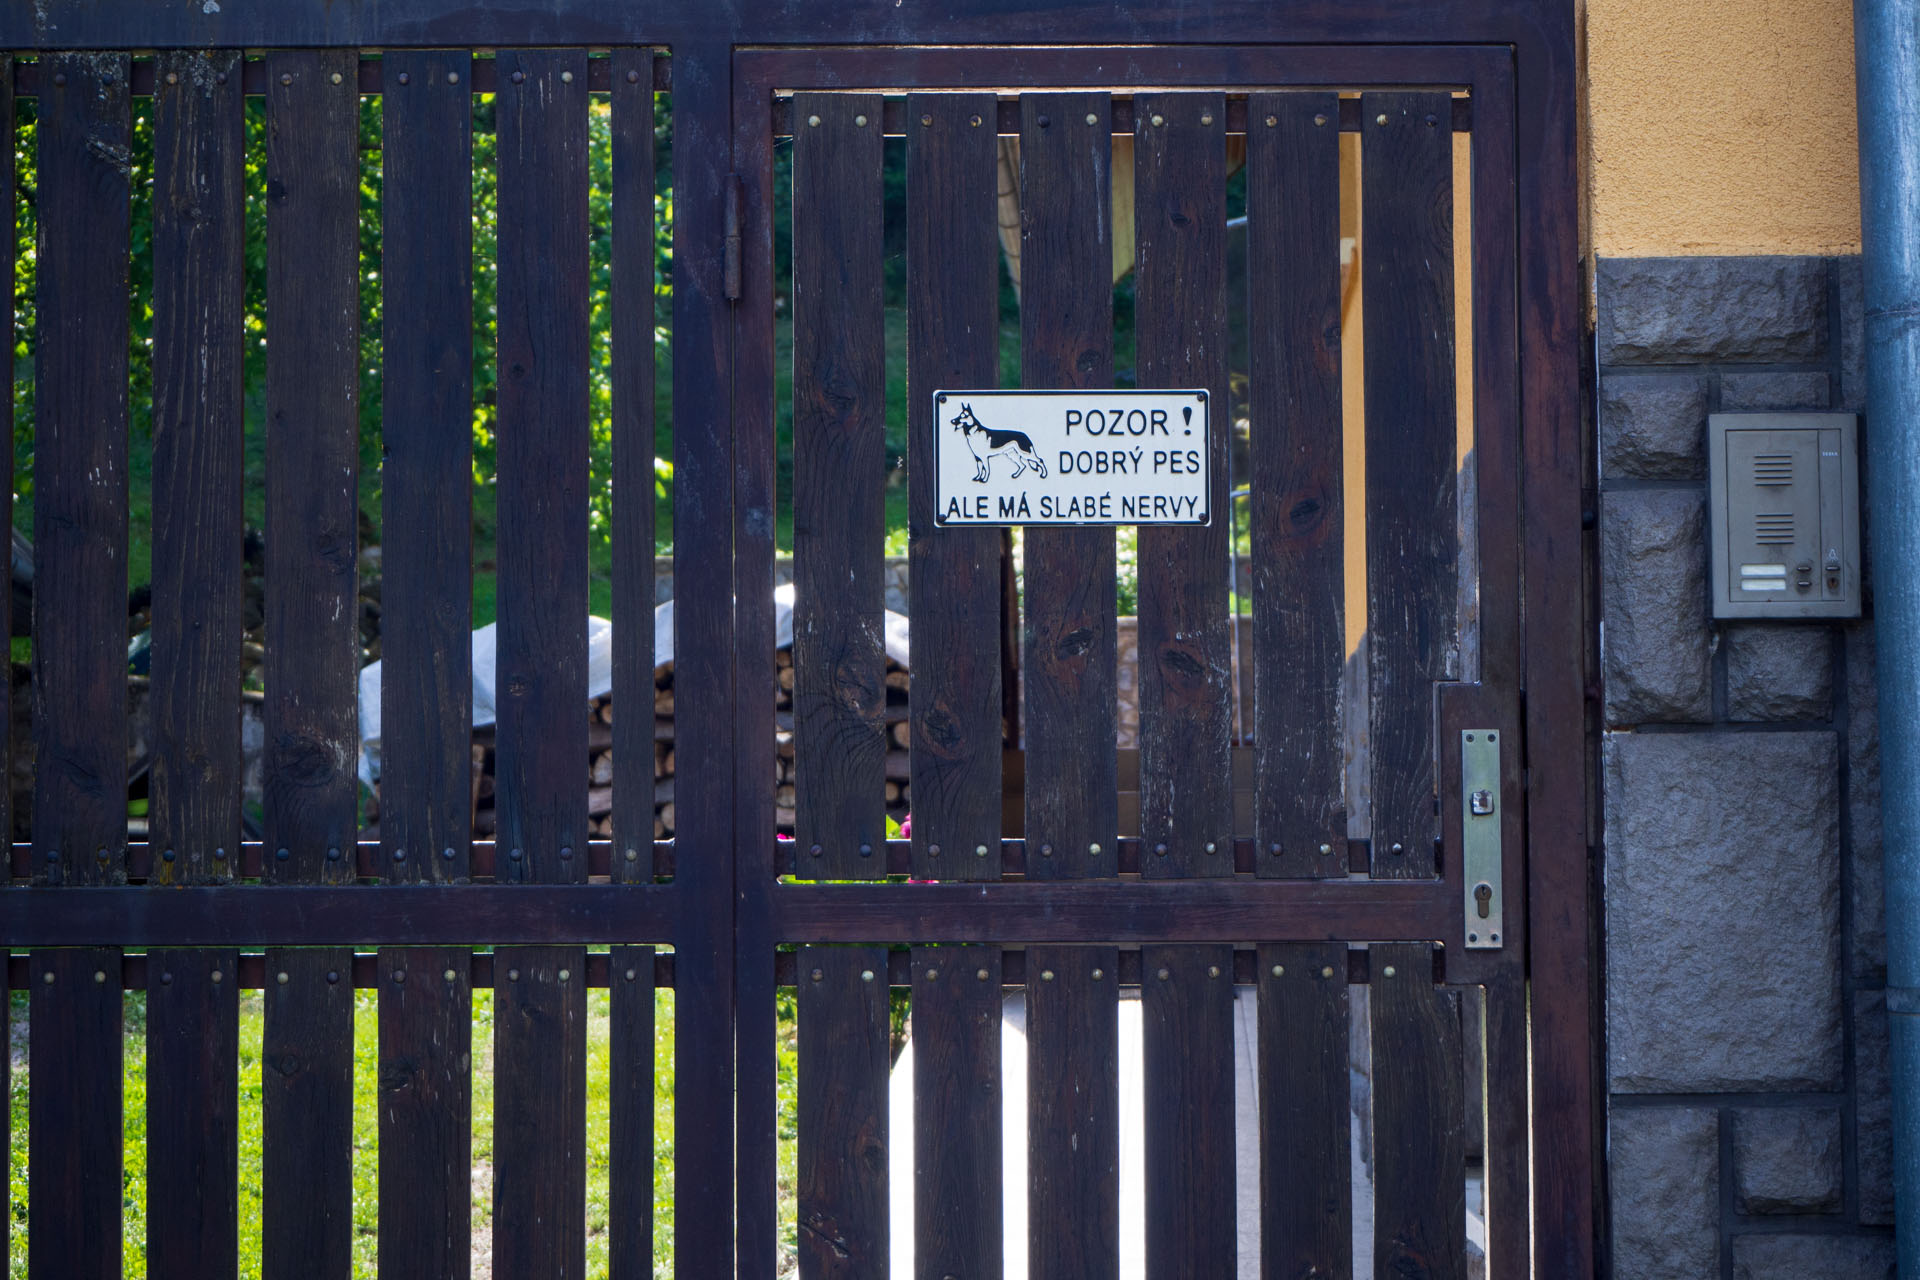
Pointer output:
x,y
8,243
839,465
1186,718
953,299
631,306
192,996
1406,266
1419,1119
1306,1175
957,1122
80,708
426,1017
539,1222
1066,332
313,648
842,1118
630,1115
1299,652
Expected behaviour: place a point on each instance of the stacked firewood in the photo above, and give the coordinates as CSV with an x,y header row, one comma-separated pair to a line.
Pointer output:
x,y
600,756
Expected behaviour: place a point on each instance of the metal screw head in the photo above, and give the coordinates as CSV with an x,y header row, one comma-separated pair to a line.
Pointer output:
x,y
1274,848
974,121
1381,118
979,851
1099,974
633,77
217,976
453,77
933,851
565,974
405,78
1325,849
1432,121
1397,847
281,977
399,975
1319,118
1046,851
866,975
447,853
1094,849
566,851
1160,849
813,122
1092,118
1388,971
1046,975
281,854
517,77
286,77
166,979
100,975
333,855
1213,971
866,851
981,974
514,855
47,978
815,850
333,975
1212,847
221,854
513,975
1206,119
1279,970
1043,121
633,855
449,975
335,77
221,78
173,77
933,975
1163,974
566,77
1272,121
1327,972
399,855
631,975
860,122
817,974
168,856
1158,120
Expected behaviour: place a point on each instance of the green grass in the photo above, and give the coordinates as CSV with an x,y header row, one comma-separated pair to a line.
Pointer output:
x,y
365,1132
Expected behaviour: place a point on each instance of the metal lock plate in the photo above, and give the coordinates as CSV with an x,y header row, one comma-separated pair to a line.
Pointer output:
x,y
1482,899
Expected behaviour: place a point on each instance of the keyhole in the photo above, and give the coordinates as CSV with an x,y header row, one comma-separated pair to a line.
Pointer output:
x,y
1483,894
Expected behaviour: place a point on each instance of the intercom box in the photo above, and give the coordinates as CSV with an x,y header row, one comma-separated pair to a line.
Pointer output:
x,y
1784,507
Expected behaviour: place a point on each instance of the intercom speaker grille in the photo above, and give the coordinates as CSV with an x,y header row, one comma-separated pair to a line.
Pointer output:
x,y
1773,528
1773,469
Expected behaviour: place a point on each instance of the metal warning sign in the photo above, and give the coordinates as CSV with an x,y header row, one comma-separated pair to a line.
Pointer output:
x,y
1071,457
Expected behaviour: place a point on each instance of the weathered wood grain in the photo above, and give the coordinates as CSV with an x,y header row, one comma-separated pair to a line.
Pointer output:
x,y
842,1112
957,1122
1419,1120
1306,1178
630,980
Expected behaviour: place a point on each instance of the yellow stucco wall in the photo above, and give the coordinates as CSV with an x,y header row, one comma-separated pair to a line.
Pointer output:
x,y
1720,127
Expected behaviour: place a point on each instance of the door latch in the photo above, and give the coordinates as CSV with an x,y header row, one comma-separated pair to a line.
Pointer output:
x,y
1480,837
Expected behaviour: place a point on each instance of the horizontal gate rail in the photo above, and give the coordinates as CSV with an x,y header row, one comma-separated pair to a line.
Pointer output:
x,y
368,858
29,78
895,114
363,969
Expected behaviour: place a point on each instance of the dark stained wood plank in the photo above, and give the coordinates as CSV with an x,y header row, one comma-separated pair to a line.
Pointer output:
x,y
957,1100
1186,715
1180,274
306,1196
426,283
839,470
1187,1036
541,122
8,252
193,1113
1073,1112
1299,591
539,1112
539,1223
74,1111
1508,1168
953,301
1306,1172
426,1109
192,996
631,303
80,475
312,714
313,304
1406,267
1066,340
630,1110
842,1111
1419,1119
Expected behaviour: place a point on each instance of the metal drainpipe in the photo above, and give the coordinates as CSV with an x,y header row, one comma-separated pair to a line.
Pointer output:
x,y
1886,36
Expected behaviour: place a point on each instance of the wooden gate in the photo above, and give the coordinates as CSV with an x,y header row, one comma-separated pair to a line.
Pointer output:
x,y
1267,881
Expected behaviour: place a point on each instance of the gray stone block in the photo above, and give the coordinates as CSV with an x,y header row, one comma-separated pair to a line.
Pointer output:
x,y
1787,1160
1869,956
1723,912
1850,300
1782,1257
1763,392
1654,603
1664,1163
1777,672
1873,1107
1683,310
1653,426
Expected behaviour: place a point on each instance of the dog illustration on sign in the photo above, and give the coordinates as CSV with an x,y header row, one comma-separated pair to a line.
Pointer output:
x,y
988,444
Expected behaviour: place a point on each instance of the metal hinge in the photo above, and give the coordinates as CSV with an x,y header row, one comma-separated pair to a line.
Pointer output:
x,y
735,194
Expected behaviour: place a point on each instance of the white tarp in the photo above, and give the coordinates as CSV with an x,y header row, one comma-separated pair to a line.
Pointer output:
x,y
599,667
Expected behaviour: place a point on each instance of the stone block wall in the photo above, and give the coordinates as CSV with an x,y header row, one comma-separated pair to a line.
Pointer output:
x,y
1745,960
